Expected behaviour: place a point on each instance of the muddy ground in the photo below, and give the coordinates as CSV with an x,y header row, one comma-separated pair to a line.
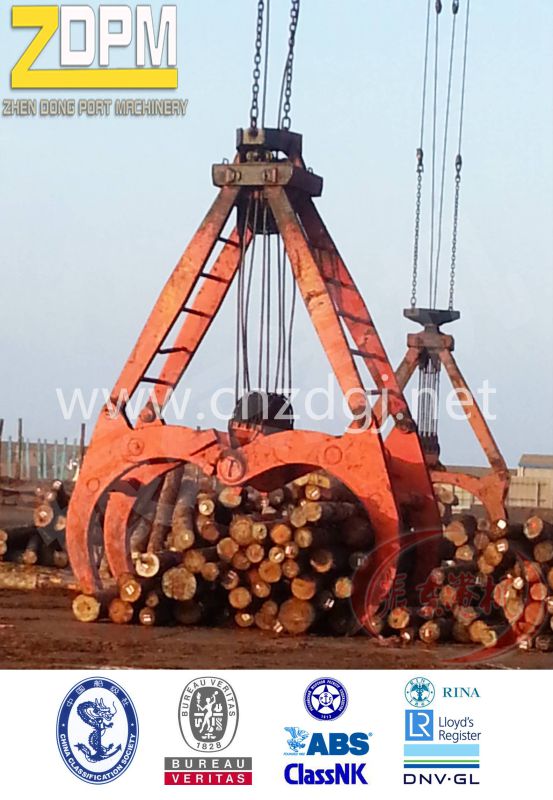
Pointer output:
x,y
38,631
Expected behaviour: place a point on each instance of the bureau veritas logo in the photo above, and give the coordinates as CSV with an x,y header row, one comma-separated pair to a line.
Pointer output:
x,y
208,714
208,720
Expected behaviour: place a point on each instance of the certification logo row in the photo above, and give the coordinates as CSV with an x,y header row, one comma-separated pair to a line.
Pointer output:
x,y
98,733
441,746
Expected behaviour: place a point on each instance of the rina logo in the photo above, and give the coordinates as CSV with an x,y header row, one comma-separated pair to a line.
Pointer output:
x,y
208,714
83,43
419,692
97,730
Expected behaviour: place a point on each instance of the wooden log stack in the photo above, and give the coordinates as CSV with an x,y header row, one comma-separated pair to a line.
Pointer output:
x,y
42,543
282,561
493,580
285,561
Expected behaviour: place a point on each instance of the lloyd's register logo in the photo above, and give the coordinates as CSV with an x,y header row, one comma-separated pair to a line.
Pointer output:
x,y
80,36
97,730
208,720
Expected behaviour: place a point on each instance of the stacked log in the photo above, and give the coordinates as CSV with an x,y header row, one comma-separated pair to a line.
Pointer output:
x,y
284,562
41,543
281,561
493,580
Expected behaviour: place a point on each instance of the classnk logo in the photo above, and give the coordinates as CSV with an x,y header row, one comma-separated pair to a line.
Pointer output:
x,y
331,744
112,28
347,774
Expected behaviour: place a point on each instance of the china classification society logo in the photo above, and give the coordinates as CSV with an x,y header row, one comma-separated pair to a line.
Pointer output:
x,y
97,730
325,699
419,692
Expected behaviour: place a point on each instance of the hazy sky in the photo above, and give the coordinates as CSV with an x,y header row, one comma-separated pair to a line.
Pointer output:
x,y
94,213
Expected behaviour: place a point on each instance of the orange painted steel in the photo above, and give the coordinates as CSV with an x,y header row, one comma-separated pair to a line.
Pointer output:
x,y
175,295
491,489
119,511
404,450
390,477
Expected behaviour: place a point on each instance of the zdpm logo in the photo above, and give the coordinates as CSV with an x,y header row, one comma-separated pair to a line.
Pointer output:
x,y
100,38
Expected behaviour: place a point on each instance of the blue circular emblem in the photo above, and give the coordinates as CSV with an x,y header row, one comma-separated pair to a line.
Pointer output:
x,y
325,698
419,692
97,730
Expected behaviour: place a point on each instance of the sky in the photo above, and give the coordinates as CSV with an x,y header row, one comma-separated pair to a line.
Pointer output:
x,y
94,213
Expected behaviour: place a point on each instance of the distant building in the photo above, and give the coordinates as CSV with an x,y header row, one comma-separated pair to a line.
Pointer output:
x,y
531,483
534,465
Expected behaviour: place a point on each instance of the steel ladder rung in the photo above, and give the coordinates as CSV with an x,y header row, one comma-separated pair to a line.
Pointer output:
x,y
166,351
210,277
156,381
196,313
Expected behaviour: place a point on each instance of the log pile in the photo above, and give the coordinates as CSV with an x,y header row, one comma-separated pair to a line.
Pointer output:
x,y
281,561
284,562
42,542
493,580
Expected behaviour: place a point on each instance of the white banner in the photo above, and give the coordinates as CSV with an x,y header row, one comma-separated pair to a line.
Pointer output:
x,y
272,733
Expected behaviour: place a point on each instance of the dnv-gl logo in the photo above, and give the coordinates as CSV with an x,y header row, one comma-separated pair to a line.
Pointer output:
x,y
419,725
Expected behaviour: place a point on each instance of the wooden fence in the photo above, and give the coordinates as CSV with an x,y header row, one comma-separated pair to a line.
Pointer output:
x,y
23,459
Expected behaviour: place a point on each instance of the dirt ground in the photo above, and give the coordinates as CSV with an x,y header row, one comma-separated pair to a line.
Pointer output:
x,y
37,631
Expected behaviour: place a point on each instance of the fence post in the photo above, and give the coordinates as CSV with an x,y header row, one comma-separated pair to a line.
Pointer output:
x,y
27,460
1,432
19,448
9,458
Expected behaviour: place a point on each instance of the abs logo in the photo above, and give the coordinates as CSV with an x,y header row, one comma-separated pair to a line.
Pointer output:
x,y
302,743
325,699
419,692
419,725
87,37
97,730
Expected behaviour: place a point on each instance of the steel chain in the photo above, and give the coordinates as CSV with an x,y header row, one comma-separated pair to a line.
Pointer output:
x,y
458,166
254,110
420,170
294,15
